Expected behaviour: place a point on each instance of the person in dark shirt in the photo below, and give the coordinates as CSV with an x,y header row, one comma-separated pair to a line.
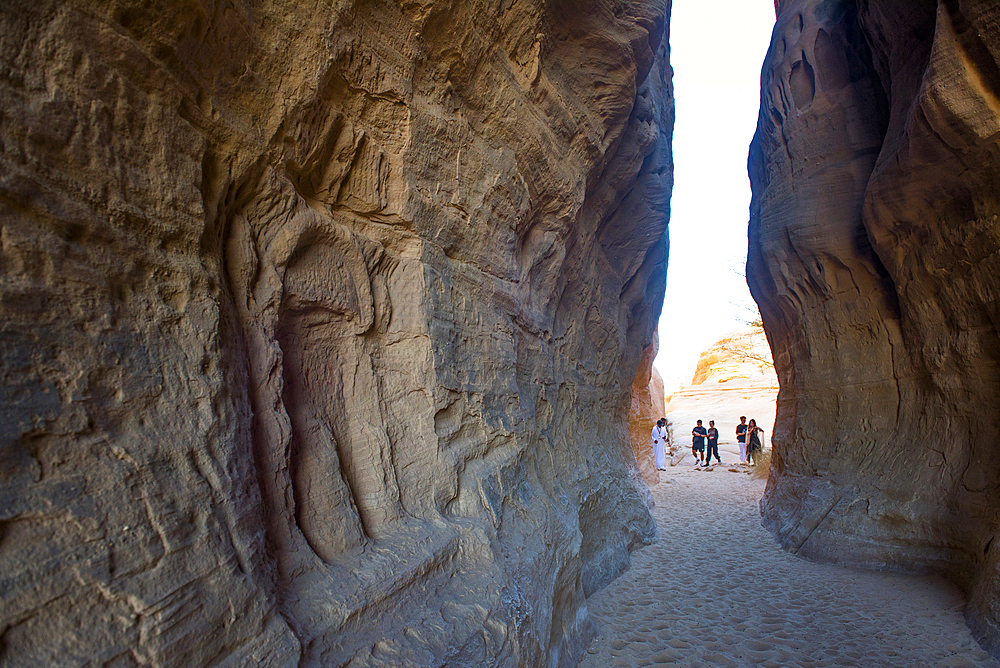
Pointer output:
x,y
754,446
741,438
698,443
713,443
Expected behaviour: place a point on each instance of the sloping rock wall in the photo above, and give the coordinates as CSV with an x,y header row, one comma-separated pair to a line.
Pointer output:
x,y
647,408
874,259
319,324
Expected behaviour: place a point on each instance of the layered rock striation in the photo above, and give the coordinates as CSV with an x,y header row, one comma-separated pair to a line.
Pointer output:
x,y
319,325
874,259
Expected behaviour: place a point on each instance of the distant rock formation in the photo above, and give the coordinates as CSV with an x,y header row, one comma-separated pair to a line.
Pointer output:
x,y
742,356
647,408
319,326
874,257
733,377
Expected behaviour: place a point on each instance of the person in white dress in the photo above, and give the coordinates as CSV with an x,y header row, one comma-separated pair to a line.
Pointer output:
x,y
659,436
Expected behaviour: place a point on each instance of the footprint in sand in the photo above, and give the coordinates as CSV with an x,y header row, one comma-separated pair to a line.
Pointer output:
x,y
719,592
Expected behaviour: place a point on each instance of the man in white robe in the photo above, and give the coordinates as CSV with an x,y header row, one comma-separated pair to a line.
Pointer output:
x,y
659,436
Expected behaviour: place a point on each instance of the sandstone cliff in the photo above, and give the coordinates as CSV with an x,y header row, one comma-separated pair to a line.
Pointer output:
x,y
647,407
319,323
874,259
742,357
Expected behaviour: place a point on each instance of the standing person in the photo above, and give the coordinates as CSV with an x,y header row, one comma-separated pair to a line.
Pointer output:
x,y
698,443
713,443
753,446
741,438
659,436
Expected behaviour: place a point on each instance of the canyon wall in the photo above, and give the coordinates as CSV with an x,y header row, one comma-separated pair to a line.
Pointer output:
x,y
319,325
875,257
647,407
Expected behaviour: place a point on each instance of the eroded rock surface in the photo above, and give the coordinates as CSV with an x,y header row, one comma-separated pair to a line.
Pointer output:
x,y
741,357
319,323
647,408
874,259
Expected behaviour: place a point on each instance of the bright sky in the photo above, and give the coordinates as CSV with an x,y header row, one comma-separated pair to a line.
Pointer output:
x,y
717,50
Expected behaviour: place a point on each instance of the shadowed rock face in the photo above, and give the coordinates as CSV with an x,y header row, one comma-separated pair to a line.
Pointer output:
x,y
319,324
874,259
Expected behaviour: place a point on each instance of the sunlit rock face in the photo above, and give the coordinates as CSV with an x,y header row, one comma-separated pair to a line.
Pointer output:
x,y
319,324
647,408
741,357
874,258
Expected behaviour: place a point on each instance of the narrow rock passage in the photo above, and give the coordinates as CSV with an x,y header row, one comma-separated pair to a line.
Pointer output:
x,y
717,591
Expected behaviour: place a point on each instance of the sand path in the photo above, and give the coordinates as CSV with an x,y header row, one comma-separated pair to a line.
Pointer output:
x,y
717,591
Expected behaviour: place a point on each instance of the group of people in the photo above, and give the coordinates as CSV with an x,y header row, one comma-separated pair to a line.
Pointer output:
x,y
747,436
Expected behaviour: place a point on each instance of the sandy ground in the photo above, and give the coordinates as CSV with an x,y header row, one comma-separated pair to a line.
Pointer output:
x,y
717,591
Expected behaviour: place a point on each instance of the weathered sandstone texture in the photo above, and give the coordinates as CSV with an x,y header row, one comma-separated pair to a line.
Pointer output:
x,y
875,258
647,408
319,323
741,357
